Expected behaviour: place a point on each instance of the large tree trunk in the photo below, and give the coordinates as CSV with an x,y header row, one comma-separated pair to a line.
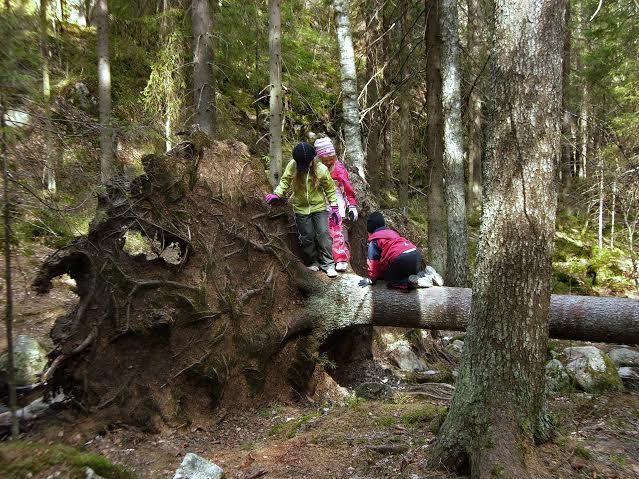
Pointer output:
x,y
435,136
582,318
48,175
350,107
457,250
275,118
203,79
499,398
474,115
104,92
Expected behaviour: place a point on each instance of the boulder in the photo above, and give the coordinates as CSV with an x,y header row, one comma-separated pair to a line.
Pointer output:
x,y
456,348
557,379
630,378
30,359
592,370
373,391
91,474
624,357
195,467
402,355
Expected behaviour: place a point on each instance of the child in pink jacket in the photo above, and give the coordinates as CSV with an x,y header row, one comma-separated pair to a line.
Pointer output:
x,y
345,200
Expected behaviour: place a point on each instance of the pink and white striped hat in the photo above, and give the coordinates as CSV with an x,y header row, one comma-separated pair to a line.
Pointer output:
x,y
324,147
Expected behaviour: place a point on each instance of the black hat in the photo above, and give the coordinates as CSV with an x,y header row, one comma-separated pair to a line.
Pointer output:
x,y
375,220
303,154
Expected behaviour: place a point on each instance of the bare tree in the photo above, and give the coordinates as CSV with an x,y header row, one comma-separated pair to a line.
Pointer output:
x,y
6,213
350,107
48,174
275,72
203,80
474,33
499,401
457,249
435,136
104,92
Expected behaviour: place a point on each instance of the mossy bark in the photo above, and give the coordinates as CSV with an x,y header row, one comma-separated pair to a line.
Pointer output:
x,y
499,400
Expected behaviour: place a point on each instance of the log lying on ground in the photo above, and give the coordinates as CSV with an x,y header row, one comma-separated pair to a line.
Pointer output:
x,y
342,304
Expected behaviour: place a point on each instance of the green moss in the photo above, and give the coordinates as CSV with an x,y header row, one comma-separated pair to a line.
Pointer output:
x,y
291,428
21,459
607,380
385,421
422,414
581,451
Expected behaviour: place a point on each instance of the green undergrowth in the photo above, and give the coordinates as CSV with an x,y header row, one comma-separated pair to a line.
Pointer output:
x,y
581,267
22,459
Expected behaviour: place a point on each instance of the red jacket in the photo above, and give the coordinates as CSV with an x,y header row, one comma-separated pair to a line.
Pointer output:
x,y
384,246
340,176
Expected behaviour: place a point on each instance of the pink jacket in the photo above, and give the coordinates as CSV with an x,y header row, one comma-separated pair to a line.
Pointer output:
x,y
339,173
384,246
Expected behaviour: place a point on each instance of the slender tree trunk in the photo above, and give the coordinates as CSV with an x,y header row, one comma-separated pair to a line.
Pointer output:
x,y
613,208
203,80
474,116
457,251
601,202
350,107
275,72
87,12
7,277
48,174
404,115
374,74
435,136
168,129
584,131
499,399
566,146
63,11
104,92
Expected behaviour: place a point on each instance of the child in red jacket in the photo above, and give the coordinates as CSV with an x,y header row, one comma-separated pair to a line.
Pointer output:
x,y
346,201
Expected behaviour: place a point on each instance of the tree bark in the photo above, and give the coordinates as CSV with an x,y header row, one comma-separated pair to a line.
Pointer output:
x,y
275,62
87,12
374,76
457,242
350,107
474,115
6,213
435,134
404,115
48,175
203,79
499,398
600,222
566,146
342,305
104,92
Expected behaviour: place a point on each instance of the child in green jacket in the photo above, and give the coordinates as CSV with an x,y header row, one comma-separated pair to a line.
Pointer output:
x,y
309,184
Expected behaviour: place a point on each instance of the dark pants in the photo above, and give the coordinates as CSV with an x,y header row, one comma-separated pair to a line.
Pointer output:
x,y
396,276
315,239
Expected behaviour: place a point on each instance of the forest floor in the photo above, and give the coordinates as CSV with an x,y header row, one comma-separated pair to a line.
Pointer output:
x,y
597,436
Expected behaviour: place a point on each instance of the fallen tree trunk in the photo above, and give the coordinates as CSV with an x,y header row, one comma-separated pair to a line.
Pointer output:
x,y
343,304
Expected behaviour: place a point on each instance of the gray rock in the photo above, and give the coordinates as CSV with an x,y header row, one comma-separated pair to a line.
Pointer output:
x,y
30,359
591,369
373,391
195,467
401,355
630,378
624,357
456,348
557,379
91,474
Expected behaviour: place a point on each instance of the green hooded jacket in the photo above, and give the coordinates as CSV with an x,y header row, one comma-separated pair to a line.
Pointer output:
x,y
308,199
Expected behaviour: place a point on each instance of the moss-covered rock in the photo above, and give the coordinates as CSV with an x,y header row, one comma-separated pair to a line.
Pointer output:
x,y
592,370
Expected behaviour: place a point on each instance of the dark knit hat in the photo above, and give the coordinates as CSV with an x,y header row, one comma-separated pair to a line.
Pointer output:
x,y
303,154
375,220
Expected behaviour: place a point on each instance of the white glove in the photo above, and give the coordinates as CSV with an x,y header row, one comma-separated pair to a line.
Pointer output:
x,y
352,213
